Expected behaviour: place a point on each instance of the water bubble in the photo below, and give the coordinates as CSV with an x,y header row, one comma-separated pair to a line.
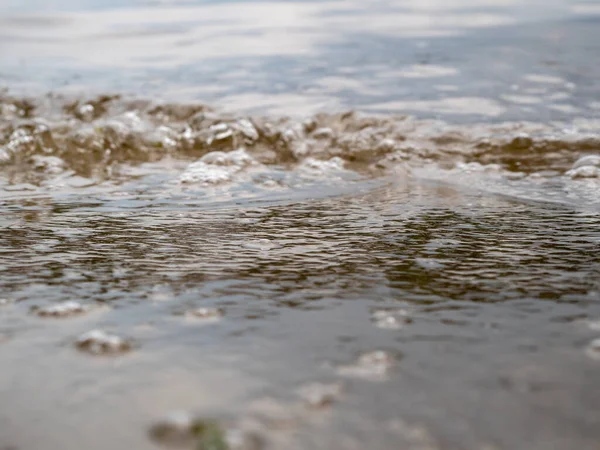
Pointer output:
x,y
216,167
219,133
323,133
300,149
586,167
291,134
236,158
320,395
63,309
99,342
391,320
185,429
386,145
4,155
48,164
247,129
205,174
206,314
372,366
593,349
588,160
86,112
334,164
584,172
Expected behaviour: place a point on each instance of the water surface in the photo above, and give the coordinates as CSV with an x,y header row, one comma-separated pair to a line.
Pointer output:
x,y
383,232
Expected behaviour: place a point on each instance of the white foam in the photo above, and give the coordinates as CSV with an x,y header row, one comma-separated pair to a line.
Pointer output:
x,y
217,167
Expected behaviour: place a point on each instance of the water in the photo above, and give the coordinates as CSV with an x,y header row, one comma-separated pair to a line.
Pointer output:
x,y
382,232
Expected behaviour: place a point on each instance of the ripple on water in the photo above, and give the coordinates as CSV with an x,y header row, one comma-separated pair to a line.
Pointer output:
x,y
63,309
99,342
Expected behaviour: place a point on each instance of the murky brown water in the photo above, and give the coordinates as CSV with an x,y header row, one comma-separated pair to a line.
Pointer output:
x,y
420,273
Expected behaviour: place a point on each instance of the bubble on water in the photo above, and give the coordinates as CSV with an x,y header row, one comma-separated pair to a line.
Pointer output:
x,y
187,429
129,121
219,133
217,167
5,155
593,349
269,183
99,342
300,149
8,111
86,112
584,172
20,136
246,127
205,174
391,320
206,314
19,142
335,164
236,158
323,133
163,136
48,164
372,366
587,166
63,309
320,395
386,145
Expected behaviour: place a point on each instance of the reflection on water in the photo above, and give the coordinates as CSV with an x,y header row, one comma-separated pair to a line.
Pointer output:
x,y
175,274
457,59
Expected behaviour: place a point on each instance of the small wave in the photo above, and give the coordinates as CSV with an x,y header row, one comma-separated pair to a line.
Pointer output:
x,y
98,139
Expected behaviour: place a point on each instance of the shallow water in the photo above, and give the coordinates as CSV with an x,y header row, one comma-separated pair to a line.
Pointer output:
x,y
421,272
